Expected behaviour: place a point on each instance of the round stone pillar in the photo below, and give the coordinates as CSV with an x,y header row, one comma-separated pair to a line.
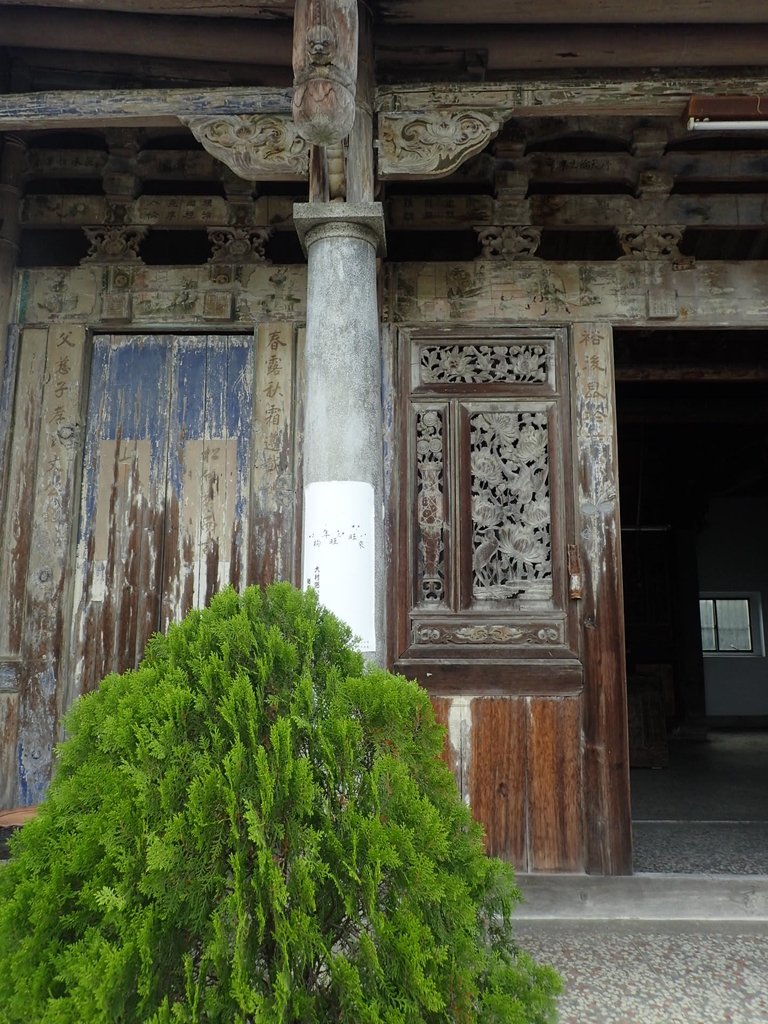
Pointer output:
x,y
343,521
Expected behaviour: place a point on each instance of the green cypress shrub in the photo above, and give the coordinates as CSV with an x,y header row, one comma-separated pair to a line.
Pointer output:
x,y
252,827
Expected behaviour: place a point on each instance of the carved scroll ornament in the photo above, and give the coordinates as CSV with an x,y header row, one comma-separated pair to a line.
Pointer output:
x,y
650,241
433,143
254,146
324,69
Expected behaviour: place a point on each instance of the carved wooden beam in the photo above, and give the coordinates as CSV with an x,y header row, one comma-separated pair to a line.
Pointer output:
x,y
574,212
133,107
254,146
570,96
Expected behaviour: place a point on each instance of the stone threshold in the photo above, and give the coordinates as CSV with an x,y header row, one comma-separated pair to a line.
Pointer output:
x,y
643,897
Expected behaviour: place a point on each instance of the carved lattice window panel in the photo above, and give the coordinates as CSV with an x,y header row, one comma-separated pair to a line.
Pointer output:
x,y
486,509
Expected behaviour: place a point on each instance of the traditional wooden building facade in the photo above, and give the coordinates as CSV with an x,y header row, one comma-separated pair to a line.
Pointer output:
x,y
382,343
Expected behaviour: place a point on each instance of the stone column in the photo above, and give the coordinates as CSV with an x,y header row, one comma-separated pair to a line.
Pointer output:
x,y
343,536
11,175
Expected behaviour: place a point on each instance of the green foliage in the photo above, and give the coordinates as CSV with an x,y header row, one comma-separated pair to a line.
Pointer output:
x,y
252,827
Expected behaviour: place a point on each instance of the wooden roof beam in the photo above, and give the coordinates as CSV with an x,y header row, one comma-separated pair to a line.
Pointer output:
x,y
127,108
558,45
239,42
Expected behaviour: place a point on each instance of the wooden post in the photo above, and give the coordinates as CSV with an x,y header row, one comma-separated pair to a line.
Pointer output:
x,y
606,758
360,177
11,173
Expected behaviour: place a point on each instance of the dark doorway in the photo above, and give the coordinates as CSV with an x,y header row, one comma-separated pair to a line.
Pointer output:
x,y
693,461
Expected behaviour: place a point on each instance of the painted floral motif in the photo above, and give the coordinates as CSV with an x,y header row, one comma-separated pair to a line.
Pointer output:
x,y
511,532
484,364
430,507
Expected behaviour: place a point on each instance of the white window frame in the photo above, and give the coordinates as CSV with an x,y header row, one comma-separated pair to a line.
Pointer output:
x,y
755,621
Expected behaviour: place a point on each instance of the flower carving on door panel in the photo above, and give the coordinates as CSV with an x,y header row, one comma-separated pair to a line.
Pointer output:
x,y
511,531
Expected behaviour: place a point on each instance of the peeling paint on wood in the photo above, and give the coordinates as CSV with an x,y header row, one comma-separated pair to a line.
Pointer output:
x,y
48,573
164,505
708,294
19,488
608,829
274,490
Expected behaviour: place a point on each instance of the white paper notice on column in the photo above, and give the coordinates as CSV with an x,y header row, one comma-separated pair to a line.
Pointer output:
x,y
338,552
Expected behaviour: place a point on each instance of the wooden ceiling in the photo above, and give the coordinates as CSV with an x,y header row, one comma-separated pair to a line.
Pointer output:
x,y
500,12
47,44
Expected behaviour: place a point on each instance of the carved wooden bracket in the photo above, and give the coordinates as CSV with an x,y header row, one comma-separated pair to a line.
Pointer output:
x,y
509,242
254,146
114,244
650,241
433,143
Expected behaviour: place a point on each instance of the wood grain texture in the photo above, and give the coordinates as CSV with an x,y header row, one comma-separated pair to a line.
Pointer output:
x,y
606,759
556,792
134,106
273,489
451,756
48,579
9,727
498,777
19,487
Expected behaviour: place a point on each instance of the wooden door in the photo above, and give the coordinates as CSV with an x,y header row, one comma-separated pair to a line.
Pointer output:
x,y
164,501
487,612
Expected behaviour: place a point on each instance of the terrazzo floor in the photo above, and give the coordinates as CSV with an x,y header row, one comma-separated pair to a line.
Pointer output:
x,y
708,811
661,974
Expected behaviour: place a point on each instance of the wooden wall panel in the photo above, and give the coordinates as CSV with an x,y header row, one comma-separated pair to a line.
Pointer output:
x,y
9,725
555,802
606,758
48,581
498,784
273,489
442,706
20,488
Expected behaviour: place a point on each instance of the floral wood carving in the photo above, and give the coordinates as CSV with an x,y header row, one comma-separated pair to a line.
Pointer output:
x,y
511,530
114,244
238,245
254,146
508,242
650,241
484,364
490,633
433,143
430,507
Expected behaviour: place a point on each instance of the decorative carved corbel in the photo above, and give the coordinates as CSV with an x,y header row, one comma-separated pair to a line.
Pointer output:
x,y
254,146
325,69
650,241
238,245
432,143
114,244
508,242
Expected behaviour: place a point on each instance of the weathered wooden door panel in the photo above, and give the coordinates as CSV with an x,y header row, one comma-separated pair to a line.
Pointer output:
x,y
208,473
120,543
487,615
165,490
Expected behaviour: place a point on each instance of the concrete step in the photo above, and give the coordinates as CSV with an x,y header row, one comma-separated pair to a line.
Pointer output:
x,y
643,897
